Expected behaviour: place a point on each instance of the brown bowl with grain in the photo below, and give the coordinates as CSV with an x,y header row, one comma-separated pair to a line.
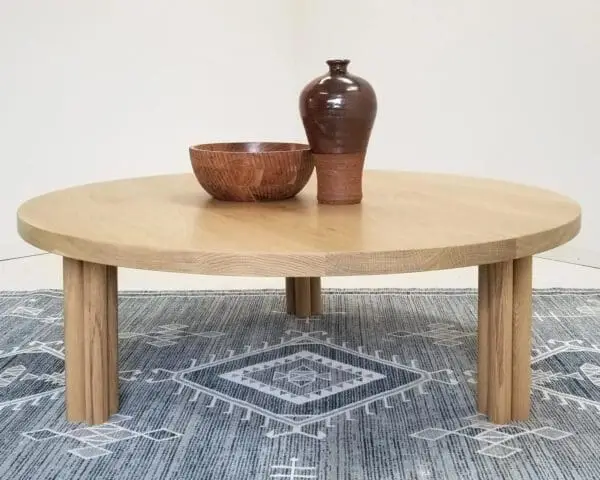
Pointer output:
x,y
252,171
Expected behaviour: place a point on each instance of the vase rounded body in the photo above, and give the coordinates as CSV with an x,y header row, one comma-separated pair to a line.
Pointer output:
x,y
338,110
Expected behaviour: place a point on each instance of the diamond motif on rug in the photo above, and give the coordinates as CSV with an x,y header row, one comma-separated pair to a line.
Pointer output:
x,y
495,436
298,381
302,377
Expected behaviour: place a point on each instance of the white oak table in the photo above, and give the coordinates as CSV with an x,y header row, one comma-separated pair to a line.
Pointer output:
x,y
407,222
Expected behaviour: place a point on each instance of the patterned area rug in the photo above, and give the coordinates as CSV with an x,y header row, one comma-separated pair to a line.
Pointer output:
x,y
226,385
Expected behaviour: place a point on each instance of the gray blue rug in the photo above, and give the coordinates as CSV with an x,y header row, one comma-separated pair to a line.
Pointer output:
x,y
226,385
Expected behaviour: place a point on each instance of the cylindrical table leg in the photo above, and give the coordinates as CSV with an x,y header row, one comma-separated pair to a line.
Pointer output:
x,y
316,300
302,296
112,313
483,339
91,341
96,342
74,339
500,343
290,296
521,332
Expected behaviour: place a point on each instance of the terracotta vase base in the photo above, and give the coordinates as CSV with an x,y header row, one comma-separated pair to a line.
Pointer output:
x,y
339,177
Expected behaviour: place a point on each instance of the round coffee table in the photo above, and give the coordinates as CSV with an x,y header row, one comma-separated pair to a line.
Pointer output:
x,y
407,222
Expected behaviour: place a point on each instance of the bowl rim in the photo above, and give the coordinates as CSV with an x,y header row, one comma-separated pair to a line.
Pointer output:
x,y
201,147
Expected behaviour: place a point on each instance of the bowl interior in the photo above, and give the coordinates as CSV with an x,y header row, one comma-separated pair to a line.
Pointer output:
x,y
250,147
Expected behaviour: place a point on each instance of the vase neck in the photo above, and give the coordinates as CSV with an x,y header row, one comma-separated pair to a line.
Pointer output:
x,y
338,67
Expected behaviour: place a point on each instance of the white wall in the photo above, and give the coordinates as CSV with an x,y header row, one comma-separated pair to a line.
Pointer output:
x,y
98,90
94,90
507,89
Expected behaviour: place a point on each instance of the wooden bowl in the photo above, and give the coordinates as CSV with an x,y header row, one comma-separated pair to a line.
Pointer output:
x,y
252,171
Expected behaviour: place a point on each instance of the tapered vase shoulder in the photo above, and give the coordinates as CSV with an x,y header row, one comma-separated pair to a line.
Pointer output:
x,y
338,110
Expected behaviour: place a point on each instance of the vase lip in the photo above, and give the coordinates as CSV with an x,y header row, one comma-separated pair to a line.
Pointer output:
x,y
338,65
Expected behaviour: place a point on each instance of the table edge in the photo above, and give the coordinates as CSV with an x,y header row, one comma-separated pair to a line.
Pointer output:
x,y
265,264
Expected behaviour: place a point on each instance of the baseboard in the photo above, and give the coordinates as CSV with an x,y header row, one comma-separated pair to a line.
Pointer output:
x,y
21,257
574,255
15,250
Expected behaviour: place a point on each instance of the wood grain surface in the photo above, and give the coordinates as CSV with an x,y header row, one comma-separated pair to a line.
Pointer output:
x,y
500,371
521,334
253,171
303,296
75,397
95,342
483,337
112,321
407,222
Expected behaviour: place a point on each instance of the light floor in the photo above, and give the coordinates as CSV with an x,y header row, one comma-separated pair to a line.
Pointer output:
x,y
45,272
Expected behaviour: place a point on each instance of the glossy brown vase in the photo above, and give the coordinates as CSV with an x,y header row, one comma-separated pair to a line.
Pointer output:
x,y
338,110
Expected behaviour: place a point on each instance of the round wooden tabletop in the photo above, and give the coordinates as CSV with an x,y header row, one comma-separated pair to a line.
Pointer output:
x,y
407,222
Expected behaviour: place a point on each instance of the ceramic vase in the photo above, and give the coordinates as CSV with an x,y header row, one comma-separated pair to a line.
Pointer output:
x,y
338,110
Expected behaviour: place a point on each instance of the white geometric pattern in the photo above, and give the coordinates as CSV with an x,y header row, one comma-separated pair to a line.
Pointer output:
x,y
29,311
192,378
545,381
443,333
494,437
56,378
96,438
54,349
548,382
167,335
303,376
592,307
293,471
592,372
11,374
